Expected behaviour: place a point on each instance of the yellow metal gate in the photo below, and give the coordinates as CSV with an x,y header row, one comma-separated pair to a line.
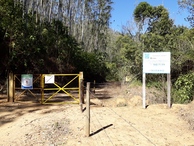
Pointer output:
x,y
62,92
51,88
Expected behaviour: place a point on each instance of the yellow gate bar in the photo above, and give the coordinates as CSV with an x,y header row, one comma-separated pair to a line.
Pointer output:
x,y
59,88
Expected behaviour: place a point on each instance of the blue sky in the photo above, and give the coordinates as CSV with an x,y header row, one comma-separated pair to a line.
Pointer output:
x,y
123,12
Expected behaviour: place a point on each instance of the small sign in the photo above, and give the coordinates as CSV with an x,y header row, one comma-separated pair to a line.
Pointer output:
x,y
127,78
49,79
27,81
156,62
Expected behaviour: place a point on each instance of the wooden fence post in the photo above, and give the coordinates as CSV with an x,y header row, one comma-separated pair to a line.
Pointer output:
x,y
11,87
88,109
81,92
42,88
94,88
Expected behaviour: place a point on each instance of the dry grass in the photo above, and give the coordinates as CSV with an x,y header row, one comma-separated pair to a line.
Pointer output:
x,y
116,95
188,115
124,95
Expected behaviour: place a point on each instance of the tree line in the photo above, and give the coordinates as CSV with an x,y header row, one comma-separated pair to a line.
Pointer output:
x,y
66,36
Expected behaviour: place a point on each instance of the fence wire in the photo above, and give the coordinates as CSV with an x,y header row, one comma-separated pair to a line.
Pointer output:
x,y
92,93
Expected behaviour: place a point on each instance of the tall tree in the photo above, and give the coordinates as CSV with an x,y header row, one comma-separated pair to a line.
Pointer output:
x,y
87,20
142,14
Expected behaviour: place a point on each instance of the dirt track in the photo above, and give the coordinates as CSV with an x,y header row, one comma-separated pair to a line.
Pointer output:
x,y
30,124
117,119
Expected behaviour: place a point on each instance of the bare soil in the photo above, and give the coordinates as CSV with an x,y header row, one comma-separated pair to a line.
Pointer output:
x,y
117,119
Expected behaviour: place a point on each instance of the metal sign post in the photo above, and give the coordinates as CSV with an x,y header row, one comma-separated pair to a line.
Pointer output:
x,y
144,90
168,91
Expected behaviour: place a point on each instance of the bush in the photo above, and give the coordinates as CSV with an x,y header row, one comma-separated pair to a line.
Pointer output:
x,y
184,88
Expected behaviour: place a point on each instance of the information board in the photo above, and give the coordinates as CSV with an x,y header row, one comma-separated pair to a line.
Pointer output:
x,y
156,62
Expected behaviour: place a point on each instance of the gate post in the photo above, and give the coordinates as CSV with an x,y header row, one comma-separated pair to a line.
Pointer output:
x,y
42,88
88,109
81,91
11,87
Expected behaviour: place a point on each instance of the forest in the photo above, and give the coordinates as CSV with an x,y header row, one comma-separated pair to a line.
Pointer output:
x,y
68,36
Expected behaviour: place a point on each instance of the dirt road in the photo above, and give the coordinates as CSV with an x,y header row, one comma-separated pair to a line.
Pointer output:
x,y
34,125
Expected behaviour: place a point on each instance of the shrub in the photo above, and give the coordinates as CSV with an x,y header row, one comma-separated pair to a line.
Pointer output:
x,y
184,88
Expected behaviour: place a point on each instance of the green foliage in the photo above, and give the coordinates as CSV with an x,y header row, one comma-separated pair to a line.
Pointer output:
x,y
142,11
156,18
124,58
160,23
92,64
28,46
160,35
184,88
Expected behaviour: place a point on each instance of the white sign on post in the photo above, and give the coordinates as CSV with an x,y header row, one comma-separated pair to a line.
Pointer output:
x,y
49,79
156,63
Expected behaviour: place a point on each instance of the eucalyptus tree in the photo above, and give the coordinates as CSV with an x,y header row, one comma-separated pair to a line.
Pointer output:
x,y
95,24
36,42
87,20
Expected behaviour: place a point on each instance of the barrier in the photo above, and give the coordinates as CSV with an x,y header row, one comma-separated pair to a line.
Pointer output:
x,y
47,88
21,91
53,85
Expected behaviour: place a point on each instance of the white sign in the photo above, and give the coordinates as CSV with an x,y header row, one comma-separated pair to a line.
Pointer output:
x,y
27,81
49,79
156,62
